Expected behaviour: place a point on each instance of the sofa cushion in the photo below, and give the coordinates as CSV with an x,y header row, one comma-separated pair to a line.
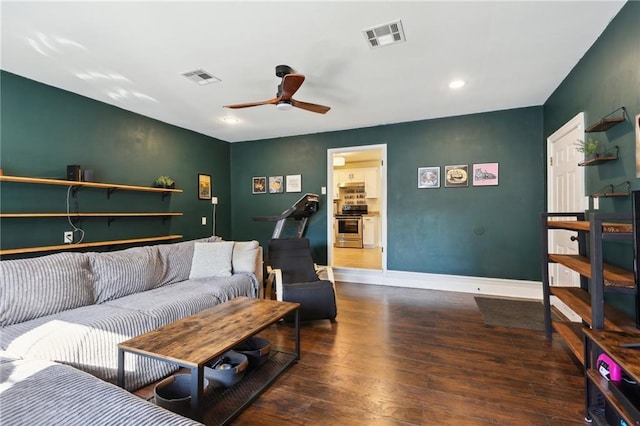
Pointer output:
x,y
244,257
167,304
32,288
211,260
174,260
46,393
87,338
124,272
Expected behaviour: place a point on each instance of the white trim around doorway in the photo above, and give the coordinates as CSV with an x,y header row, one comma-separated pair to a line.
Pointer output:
x,y
383,205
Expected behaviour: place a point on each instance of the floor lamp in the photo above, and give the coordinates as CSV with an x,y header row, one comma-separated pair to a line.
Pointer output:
x,y
214,202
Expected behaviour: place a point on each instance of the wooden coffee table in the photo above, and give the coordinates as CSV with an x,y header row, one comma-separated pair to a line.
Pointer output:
x,y
195,341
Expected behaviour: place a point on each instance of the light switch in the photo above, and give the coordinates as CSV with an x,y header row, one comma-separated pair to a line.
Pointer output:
x,y
323,190
204,220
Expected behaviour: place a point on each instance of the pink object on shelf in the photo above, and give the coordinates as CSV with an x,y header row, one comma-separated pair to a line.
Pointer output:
x,y
608,369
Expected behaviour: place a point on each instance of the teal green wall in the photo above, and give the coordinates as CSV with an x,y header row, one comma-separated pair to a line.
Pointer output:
x,y
45,128
473,231
607,77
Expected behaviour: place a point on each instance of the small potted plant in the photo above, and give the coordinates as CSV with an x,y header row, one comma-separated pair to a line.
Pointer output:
x,y
164,182
589,148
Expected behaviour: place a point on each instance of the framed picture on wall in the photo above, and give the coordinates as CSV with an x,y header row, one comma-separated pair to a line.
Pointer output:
x,y
428,177
259,185
456,176
204,187
294,183
485,174
276,184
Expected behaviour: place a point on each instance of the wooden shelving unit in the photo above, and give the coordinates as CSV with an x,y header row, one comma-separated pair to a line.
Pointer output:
x,y
587,301
605,399
75,216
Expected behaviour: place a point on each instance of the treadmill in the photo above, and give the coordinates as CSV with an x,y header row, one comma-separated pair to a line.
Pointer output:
x,y
300,211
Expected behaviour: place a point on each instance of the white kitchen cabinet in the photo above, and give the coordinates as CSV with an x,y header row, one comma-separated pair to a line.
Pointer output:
x,y
370,231
372,182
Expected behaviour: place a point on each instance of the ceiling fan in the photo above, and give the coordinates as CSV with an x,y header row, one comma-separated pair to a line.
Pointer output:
x,y
290,84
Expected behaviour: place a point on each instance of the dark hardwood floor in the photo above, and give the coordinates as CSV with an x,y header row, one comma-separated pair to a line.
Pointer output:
x,y
398,356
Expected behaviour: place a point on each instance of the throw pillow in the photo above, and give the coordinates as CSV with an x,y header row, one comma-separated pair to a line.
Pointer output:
x,y
244,256
211,260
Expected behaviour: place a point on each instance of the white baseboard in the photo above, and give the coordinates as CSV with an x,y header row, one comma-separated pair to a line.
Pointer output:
x,y
565,310
478,285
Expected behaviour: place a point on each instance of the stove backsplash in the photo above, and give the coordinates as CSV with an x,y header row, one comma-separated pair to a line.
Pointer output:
x,y
355,195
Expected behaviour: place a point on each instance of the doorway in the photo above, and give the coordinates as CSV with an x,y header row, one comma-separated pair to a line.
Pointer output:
x,y
356,222
565,193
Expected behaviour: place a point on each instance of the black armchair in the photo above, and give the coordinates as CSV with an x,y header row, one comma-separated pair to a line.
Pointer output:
x,y
297,279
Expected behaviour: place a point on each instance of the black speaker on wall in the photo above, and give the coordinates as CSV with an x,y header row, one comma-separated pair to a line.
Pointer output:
x,y
74,172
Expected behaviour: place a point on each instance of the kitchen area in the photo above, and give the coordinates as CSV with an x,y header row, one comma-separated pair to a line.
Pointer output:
x,y
356,210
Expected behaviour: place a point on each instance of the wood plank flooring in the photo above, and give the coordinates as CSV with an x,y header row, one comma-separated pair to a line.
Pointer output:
x,y
364,258
398,356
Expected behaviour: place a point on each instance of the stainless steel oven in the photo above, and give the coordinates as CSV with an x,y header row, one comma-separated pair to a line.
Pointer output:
x,y
348,231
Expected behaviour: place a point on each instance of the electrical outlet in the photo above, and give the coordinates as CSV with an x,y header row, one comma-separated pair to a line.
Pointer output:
x,y
68,237
596,203
214,200
204,220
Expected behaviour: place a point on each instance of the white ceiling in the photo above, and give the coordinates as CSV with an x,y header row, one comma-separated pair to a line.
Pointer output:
x,y
131,54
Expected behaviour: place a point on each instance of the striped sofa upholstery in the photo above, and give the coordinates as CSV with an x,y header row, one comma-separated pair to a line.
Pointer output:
x,y
75,308
46,393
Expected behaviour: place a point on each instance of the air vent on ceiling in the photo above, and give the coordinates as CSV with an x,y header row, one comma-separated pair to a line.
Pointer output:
x,y
201,77
383,35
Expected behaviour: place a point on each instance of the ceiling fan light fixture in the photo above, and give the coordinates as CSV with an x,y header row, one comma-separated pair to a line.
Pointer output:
x,y
284,105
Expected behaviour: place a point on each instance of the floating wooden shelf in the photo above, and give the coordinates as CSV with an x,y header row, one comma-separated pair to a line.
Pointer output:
x,y
86,245
609,194
75,215
600,159
108,186
607,122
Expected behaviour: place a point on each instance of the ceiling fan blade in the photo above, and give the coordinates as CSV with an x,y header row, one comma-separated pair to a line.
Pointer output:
x,y
290,85
320,109
252,104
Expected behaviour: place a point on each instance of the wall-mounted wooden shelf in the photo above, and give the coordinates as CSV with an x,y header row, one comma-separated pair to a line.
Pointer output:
x,y
75,215
612,191
600,159
87,245
607,122
110,187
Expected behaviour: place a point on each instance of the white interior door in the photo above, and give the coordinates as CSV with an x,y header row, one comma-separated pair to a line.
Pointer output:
x,y
565,193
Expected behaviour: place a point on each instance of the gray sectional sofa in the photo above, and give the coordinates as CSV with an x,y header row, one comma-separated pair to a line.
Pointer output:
x,y
68,311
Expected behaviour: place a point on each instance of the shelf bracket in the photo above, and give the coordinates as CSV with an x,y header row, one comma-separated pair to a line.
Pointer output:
x,y
110,191
165,195
110,219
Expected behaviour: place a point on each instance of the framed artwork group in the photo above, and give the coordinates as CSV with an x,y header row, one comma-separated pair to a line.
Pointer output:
x,y
276,184
458,175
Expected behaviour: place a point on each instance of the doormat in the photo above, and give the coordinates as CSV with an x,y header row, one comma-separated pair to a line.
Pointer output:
x,y
510,313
